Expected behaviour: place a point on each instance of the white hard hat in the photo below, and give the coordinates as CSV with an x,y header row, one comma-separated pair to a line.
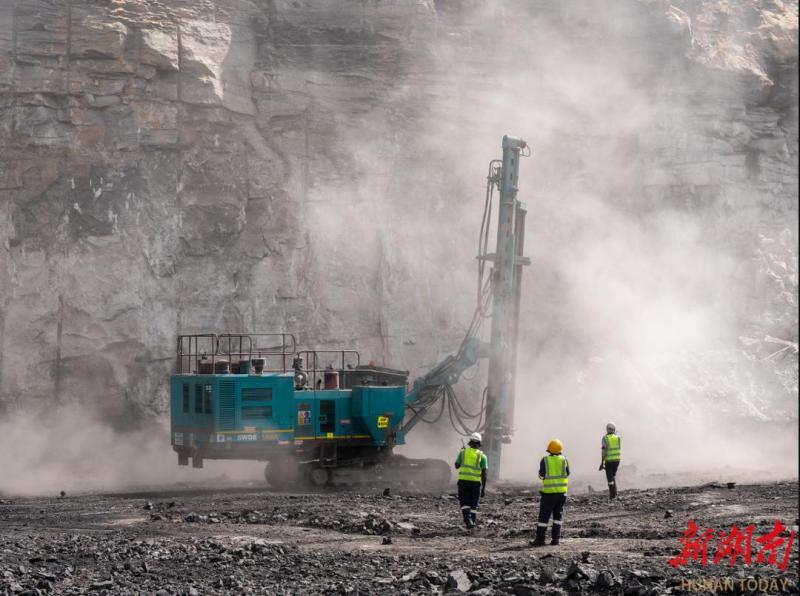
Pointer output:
x,y
610,427
475,437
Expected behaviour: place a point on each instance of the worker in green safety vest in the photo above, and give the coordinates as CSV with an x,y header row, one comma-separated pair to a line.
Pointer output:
x,y
471,464
554,472
611,455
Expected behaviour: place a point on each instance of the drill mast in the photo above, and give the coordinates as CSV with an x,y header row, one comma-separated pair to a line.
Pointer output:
x,y
506,285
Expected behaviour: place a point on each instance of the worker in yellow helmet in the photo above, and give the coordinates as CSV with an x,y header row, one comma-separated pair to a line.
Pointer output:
x,y
610,456
471,464
554,472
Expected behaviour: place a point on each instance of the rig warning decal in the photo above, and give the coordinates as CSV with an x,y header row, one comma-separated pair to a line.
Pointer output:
x,y
383,422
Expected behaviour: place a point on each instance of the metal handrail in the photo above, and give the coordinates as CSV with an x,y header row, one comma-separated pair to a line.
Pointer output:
x,y
189,357
244,346
284,345
248,349
311,358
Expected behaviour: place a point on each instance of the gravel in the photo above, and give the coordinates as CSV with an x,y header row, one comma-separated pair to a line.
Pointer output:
x,y
250,542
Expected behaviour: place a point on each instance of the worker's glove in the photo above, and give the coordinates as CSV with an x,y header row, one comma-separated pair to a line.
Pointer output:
x,y
483,492
602,466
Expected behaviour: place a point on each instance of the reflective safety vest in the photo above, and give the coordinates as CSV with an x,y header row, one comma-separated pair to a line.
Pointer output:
x,y
470,468
614,451
555,474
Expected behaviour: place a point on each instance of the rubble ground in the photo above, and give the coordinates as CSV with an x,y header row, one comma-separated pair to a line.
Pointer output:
x,y
179,541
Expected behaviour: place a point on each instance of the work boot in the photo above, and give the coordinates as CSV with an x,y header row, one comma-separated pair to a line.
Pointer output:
x,y
540,533
467,518
556,534
612,491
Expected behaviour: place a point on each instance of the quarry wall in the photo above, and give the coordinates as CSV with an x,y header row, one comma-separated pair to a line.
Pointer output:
x,y
169,167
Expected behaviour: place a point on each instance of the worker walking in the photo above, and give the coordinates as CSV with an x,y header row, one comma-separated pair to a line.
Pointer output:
x,y
554,472
611,455
471,464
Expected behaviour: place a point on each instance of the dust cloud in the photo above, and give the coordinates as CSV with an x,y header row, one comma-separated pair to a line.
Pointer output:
x,y
652,348
73,449
641,305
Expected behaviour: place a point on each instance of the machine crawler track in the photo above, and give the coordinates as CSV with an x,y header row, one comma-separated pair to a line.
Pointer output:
x,y
395,471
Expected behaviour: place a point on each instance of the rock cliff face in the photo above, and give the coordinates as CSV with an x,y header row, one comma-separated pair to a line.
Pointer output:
x,y
317,167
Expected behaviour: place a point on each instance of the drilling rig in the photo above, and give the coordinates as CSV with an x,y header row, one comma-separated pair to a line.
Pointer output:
x,y
321,417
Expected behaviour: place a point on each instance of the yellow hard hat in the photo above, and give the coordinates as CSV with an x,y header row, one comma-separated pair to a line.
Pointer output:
x,y
555,446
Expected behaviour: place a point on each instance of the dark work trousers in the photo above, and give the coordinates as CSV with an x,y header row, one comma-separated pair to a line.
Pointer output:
x,y
469,494
551,503
611,475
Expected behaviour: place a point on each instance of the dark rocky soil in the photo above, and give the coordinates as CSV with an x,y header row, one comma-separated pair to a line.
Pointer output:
x,y
248,541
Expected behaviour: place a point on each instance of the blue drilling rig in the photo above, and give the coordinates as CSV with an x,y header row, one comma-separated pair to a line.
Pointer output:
x,y
321,417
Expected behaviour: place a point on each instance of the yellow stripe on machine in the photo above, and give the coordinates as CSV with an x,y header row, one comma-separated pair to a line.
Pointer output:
x,y
242,432
333,438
